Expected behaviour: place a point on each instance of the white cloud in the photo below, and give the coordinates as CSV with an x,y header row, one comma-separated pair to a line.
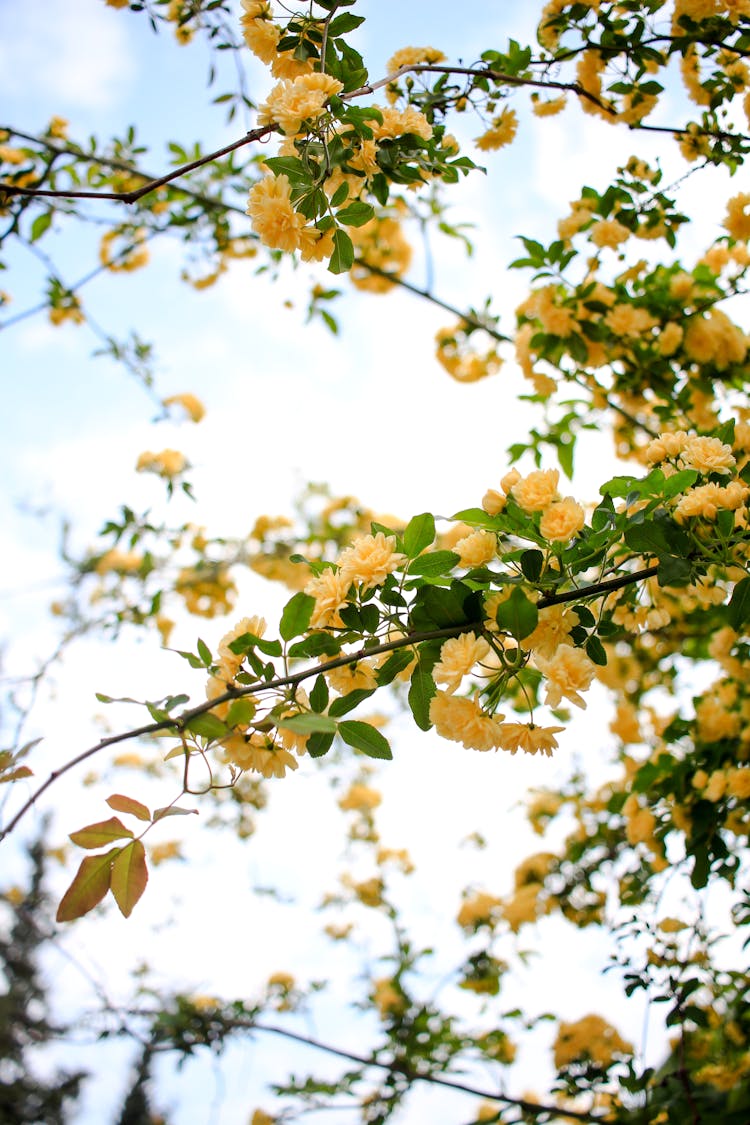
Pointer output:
x,y
77,51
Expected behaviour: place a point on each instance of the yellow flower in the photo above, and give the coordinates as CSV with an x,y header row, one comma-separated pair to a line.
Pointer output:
x,y
479,909
408,56
369,560
58,127
192,405
553,628
229,662
272,215
360,675
608,232
387,997
493,502
713,338
132,256
666,447
547,108
329,588
501,133
737,221
293,101
528,737
707,455
476,549
169,463
462,720
537,491
589,1038
567,673
458,656
561,521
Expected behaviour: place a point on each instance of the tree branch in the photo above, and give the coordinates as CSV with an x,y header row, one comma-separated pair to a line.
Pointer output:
x,y
182,721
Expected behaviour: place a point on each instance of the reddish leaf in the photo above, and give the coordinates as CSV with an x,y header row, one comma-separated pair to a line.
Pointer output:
x,y
17,774
128,805
129,876
103,832
88,888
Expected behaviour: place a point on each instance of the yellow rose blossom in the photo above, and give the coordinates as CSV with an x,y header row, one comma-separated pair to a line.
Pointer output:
x,y
627,320
462,720
360,798
259,754
132,256
708,499
713,338
119,562
737,221
553,628
561,521
510,479
379,243
548,108
58,128
370,559
458,655
478,909
260,1117
641,822
528,737
387,998
329,588
525,906
502,131
608,232
590,1037
669,339
707,455
360,675
293,101
666,447
408,56
190,403
537,491
476,549
568,673
738,783
493,502
169,463
272,215
399,122
229,662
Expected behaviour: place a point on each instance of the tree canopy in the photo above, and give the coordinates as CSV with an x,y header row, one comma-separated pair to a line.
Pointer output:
x,y
487,626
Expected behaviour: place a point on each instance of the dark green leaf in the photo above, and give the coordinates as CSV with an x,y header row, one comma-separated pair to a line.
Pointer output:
x,y
517,615
319,694
433,564
355,214
364,737
419,534
421,692
738,610
347,703
342,258
296,616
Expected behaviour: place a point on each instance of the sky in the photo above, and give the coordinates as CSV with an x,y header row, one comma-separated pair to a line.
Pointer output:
x,y
370,412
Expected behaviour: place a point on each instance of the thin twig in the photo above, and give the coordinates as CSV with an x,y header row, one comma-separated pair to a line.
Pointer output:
x,y
182,721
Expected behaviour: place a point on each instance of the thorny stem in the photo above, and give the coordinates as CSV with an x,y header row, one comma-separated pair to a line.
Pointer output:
x,y
181,722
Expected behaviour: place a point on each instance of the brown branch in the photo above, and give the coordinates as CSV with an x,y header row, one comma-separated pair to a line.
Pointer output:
x,y
182,721
118,165
415,1075
133,196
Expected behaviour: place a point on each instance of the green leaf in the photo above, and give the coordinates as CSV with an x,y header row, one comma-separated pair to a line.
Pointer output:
x,y
419,534
319,744
364,737
240,713
421,692
738,610
309,723
342,258
319,694
433,564
103,832
396,662
207,726
517,615
129,877
355,214
204,652
296,616
88,888
317,644
595,651
532,563
348,702
674,571
40,225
